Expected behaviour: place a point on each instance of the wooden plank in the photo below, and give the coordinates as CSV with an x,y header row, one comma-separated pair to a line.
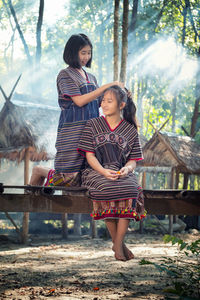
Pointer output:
x,y
41,203
156,202
33,188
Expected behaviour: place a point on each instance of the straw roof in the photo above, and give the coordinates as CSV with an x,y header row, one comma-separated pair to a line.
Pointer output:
x,y
143,140
172,151
26,127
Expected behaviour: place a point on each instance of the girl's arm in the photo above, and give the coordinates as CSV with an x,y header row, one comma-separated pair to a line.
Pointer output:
x,y
128,168
86,98
94,164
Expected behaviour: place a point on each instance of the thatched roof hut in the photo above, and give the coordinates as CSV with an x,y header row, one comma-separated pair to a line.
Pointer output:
x,y
26,127
179,152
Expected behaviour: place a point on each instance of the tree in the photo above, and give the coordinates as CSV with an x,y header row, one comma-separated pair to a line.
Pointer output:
x,y
26,49
38,32
124,51
116,40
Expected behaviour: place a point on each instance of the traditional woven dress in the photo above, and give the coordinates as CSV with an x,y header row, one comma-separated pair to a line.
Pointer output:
x,y
121,198
70,82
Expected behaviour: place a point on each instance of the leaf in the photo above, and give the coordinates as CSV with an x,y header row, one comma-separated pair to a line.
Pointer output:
x,y
145,262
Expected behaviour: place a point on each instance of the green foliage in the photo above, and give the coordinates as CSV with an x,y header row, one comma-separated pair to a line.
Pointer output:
x,y
184,274
193,247
151,86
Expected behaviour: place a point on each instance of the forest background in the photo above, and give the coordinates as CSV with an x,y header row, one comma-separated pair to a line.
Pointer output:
x,y
161,44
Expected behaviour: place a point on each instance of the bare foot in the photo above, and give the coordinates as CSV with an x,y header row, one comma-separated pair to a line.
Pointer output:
x,y
120,257
119,253
127,252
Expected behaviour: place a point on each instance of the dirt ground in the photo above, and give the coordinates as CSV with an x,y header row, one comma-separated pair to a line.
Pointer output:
x,y
83,268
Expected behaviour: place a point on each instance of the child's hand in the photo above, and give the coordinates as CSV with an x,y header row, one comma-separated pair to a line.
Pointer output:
x,y
123,171
110,174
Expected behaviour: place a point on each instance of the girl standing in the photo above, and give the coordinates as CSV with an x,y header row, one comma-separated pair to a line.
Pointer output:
x,y
78,98
111,146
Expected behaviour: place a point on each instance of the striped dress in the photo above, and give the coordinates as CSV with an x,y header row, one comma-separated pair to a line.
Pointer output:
x,y
113,148
72,118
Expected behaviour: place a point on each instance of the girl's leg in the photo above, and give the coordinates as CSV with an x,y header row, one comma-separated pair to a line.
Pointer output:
x,y
112,228
119,246
39,173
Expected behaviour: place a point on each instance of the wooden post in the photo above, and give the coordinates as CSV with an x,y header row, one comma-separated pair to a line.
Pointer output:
x,y
144,180
77,224
25,222
93,225
143,186
176,187
172,183
64,219
185,181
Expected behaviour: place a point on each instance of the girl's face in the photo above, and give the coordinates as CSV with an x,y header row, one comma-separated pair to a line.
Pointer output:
x,y
84,55
110,106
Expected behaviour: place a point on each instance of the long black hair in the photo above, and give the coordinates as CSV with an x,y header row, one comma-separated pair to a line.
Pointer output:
x,y
129,111
75,43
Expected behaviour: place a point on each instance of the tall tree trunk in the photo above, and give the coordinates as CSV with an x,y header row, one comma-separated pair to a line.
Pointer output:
x,y
26,49
100,57
133,16
184,22
173,112
116,41
140,104
196,112
38,33
124,41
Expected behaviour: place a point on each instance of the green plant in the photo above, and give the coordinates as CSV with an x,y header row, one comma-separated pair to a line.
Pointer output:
x,y
184,271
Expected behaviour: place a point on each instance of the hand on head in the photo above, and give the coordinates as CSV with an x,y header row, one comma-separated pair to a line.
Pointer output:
x,y
120,84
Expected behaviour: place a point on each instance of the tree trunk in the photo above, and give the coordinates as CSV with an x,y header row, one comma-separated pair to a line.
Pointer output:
x,y
116,41
124,41
196,112
38,32
26,49
133,17
100,56
173,112
184,23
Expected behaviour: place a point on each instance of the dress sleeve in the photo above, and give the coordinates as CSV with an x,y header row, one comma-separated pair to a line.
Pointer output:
x,y
66,85
86,142
136,151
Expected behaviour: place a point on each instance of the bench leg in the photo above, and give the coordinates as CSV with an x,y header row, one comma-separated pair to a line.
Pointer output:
x,y
77,224
64,218
25,228
170,224
93,226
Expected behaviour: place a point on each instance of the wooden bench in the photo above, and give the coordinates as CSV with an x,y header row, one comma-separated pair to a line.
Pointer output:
x,y
76,200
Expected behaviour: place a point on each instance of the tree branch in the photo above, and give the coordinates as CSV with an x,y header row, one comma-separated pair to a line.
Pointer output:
x,y
20,32
38,32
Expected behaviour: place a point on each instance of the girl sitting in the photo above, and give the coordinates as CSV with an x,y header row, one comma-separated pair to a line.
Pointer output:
x,y
111,146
